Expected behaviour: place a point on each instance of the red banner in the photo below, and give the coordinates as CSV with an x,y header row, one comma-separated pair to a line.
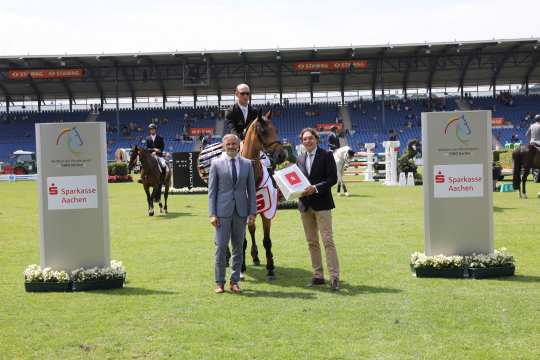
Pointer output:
x,y
23,74
201,131
497,121
330,65
328,127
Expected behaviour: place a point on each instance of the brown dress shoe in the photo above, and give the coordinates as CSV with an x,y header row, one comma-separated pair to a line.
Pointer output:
x,y
219,289
235,288
334,285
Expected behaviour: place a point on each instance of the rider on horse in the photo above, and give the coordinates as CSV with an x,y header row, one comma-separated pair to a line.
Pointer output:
x,y
156,144
333,141
241,114
533,133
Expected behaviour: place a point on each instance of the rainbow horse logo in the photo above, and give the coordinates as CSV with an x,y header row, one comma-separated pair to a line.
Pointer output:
x,y
463,130
74,140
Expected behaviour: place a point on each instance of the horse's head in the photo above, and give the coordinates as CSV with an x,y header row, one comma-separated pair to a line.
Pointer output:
x,y
267,135
350,154
133,157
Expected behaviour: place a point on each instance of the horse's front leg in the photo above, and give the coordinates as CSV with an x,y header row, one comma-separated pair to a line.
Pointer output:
x,y
524,181
344,187
166,195
267,243
149,200
254,250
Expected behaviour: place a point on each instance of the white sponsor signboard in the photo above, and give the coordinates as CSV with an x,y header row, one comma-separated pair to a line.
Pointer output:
x,y
72,192
458,181
458,205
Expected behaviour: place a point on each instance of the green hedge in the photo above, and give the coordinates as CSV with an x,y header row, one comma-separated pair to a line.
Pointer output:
x,y
505,159
118,169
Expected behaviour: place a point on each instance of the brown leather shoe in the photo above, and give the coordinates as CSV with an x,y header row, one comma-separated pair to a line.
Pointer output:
x,y
334,285
235,288
219,289
316,281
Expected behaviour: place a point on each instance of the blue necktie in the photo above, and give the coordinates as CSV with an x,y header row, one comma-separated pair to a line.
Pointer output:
x,y
234,175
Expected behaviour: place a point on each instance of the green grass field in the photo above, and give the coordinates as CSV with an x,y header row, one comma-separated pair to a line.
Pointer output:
x,y
168,308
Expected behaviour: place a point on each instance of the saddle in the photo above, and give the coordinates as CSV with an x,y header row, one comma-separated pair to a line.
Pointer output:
x,y
536,146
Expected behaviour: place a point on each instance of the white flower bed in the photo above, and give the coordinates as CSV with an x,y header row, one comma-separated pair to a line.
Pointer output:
x,y
34,273
185,190
114,272
420,260
500,258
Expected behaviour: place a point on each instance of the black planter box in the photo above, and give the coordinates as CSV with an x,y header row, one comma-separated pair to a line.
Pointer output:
x,y
189,193
287,205
98,285
47,286
449,273
494,272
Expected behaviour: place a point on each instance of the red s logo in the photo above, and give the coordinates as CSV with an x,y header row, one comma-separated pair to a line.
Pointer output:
x,y
292,178
53,190
439,178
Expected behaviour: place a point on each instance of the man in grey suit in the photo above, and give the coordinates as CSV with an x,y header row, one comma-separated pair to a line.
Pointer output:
x,y
231,201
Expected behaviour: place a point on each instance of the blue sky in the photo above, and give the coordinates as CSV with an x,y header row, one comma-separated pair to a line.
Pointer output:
x,y
77,27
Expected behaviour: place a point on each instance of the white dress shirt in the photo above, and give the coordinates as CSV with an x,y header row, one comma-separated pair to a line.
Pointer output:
x,y
244,111
310,157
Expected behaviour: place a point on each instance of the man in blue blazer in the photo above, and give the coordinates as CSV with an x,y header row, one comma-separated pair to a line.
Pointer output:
x,y
231,202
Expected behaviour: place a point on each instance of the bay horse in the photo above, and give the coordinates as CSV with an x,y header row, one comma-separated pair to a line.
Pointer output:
x,y
151,178
526,157
262,136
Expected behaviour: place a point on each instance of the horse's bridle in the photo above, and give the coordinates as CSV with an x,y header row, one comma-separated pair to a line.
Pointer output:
x,y
267,146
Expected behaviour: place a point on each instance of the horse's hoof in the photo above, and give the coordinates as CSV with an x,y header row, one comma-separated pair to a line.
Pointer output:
x,y
339,194
271,277
242,276
256,262
151,213
347,194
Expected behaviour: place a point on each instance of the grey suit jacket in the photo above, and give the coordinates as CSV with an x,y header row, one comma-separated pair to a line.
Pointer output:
x,y
224,196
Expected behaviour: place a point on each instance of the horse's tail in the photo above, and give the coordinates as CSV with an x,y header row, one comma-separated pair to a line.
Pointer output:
x,y
516,171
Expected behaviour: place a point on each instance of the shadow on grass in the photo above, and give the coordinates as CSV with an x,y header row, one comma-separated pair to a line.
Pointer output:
x,y
300,278
501,209
278,294
171,215
128,290
356,195
520,278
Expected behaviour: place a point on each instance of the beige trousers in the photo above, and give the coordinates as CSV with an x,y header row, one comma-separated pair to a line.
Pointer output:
x,y
315,222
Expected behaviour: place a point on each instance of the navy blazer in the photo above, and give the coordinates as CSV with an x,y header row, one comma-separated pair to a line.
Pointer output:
x,y
235,120
323,176
158,143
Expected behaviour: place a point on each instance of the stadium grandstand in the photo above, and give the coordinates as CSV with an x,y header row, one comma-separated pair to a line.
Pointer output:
x,y
370,92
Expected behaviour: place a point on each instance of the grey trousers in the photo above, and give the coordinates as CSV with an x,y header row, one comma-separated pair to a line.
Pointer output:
x,y
233,228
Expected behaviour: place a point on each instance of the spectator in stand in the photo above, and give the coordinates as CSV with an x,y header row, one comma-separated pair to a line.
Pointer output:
x,y
514,139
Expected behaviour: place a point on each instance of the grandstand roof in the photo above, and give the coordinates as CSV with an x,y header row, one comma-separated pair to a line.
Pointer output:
x,y
404,66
